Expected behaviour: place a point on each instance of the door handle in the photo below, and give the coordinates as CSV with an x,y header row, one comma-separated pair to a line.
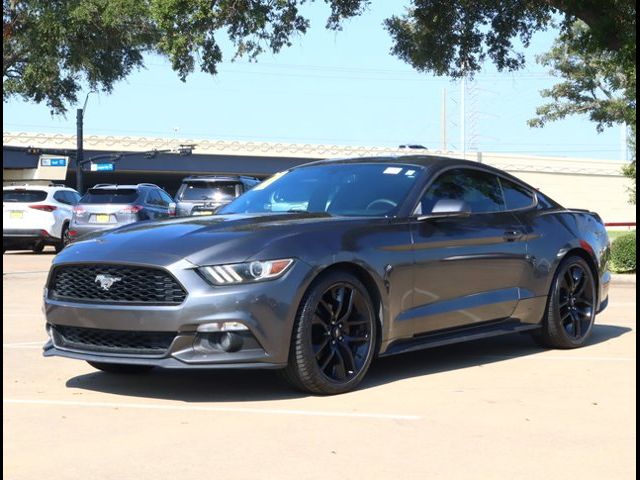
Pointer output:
x,y
513,235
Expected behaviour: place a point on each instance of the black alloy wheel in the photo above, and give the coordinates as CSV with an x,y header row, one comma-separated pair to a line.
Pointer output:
x,y
334,336
341,332
571,309
576,301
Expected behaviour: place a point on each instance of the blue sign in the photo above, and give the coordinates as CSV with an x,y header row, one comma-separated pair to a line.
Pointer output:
x,y
53,162
102,167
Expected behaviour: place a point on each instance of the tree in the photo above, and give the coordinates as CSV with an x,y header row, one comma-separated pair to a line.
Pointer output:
x,y
630,170
596,82
455,37
50,48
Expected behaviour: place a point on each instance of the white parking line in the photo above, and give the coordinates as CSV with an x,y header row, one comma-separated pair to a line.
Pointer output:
x,y
24,347
558,357
202,408
25,273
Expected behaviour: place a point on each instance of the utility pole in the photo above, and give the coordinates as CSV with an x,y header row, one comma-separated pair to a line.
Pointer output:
x,y
463,140
79,143
79,150
624,146
443,120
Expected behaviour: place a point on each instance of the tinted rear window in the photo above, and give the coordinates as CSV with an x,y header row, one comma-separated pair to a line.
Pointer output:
x,y
207,191
104,195
515,196
26,196
480,190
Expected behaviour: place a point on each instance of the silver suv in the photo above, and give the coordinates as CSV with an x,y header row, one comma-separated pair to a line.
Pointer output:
x,y
107,206
203,195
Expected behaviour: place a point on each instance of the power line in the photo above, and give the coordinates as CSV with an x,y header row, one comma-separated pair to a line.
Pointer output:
x,y
360,72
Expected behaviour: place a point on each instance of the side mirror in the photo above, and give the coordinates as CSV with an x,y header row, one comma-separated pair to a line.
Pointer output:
x,y
448,208
172,209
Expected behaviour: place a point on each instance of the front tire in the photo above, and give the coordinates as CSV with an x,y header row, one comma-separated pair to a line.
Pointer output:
x,y
120,368
334,336
571,307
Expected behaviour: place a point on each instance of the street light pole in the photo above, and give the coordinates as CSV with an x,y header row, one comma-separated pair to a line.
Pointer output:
x,y
79,150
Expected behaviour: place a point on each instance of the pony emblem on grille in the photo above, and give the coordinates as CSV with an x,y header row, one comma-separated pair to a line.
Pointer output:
x,y
106,281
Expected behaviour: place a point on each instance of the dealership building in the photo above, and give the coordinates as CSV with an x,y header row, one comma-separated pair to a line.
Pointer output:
x,y
29,158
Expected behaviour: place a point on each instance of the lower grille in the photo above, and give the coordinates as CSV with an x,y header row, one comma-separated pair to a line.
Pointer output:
x,y
113,341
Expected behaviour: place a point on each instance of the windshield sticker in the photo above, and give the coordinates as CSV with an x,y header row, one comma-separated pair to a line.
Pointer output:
x,y
269,181
410,173
392,170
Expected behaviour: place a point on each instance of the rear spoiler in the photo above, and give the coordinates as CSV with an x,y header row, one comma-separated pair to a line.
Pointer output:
x,y
588,212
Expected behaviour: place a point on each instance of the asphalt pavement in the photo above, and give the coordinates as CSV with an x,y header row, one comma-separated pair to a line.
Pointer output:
x,y
494,409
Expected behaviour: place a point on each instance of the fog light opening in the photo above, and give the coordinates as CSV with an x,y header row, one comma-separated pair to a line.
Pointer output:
x,y
225,341
230,342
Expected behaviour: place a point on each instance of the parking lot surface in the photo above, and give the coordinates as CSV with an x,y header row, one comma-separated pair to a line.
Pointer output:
x,y
500,408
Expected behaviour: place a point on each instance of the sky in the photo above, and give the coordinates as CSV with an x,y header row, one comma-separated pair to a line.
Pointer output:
x,y
341,88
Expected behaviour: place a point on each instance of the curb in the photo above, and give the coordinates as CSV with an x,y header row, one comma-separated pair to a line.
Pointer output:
x,y
623,279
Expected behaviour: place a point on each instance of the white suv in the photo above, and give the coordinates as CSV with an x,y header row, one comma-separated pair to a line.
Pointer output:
x,y
34,216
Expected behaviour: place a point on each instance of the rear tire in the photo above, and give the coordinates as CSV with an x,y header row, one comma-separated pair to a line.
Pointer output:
x,y
64,238
571,307
120,368
334,336
37,247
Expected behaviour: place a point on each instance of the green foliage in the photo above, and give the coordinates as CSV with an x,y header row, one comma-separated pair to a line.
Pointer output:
x,y
630,170
623,253
51,49
455,37
597,82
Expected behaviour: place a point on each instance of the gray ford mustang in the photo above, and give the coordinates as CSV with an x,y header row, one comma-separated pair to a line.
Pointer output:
x,y
320,269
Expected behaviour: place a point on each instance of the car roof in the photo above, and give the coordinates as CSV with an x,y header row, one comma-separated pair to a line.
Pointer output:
x,y
428,161
434,163
46,188
110,186
222,178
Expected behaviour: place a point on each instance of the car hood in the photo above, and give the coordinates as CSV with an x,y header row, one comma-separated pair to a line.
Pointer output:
x,y
198,240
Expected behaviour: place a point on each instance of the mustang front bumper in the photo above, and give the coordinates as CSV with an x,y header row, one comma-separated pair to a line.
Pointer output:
x,y
134,334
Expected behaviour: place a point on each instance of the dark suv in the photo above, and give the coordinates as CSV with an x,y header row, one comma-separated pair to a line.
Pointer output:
x,y
203,195
107,206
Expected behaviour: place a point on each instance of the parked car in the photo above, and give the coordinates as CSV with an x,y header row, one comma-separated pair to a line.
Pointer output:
x,y
34,216
107,206
203,195
390,255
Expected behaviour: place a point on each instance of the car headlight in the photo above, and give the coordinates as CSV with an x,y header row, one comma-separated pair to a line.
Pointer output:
x,y
247,272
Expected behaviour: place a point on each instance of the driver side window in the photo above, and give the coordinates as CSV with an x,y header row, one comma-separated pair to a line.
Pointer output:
x,y
480,190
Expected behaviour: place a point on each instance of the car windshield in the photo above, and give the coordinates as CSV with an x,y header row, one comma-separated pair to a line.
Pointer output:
x,y
207,191
26,196
110,195
345,189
